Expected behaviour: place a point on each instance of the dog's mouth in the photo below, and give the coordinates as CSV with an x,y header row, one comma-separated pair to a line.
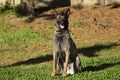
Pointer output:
x,y
62,27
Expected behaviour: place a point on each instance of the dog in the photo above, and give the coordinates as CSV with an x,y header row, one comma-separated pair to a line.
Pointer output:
x,y
65,56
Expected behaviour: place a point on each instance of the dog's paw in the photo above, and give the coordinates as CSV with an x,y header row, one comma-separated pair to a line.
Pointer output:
x,y
64,74
53,74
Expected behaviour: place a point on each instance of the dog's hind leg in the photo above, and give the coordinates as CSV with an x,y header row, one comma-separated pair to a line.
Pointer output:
x,y
78,64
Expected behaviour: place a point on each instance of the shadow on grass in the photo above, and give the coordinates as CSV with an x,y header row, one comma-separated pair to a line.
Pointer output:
x,y
100,67
88,51
31,61
91,51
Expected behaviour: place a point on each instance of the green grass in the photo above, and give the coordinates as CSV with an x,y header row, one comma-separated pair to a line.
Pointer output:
x,y
24,43
93,69
27,55
12,38
11,10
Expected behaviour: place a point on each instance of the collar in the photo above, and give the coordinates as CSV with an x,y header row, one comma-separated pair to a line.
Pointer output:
x,y
61,33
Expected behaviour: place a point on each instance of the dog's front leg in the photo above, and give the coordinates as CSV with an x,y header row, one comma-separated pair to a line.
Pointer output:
x,y
66,63
54,63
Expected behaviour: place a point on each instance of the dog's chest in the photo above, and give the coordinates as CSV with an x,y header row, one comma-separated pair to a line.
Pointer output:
x,y
61,43
60,39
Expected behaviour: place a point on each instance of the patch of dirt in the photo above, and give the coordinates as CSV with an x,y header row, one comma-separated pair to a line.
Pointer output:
x,y
99,22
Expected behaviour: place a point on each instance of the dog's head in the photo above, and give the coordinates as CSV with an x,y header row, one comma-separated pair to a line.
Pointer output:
x,y
62,20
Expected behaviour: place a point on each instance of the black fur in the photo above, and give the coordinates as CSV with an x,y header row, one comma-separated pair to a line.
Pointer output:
x,y
63,43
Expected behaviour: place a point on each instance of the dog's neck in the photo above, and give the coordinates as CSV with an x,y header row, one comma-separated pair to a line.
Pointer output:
x,y
61,33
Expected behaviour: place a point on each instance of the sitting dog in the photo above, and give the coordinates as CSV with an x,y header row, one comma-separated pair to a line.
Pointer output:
x,y
64,50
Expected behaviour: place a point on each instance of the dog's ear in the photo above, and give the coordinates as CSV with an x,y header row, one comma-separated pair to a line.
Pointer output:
x,y
67,13
56,13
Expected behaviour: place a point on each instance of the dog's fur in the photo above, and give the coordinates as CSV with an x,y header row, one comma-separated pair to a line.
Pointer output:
x,y
64,50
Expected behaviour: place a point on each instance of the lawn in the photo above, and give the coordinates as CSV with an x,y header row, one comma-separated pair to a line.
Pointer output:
x,y
26,48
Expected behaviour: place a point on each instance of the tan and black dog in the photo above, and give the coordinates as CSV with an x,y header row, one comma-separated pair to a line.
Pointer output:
x,y
64,50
